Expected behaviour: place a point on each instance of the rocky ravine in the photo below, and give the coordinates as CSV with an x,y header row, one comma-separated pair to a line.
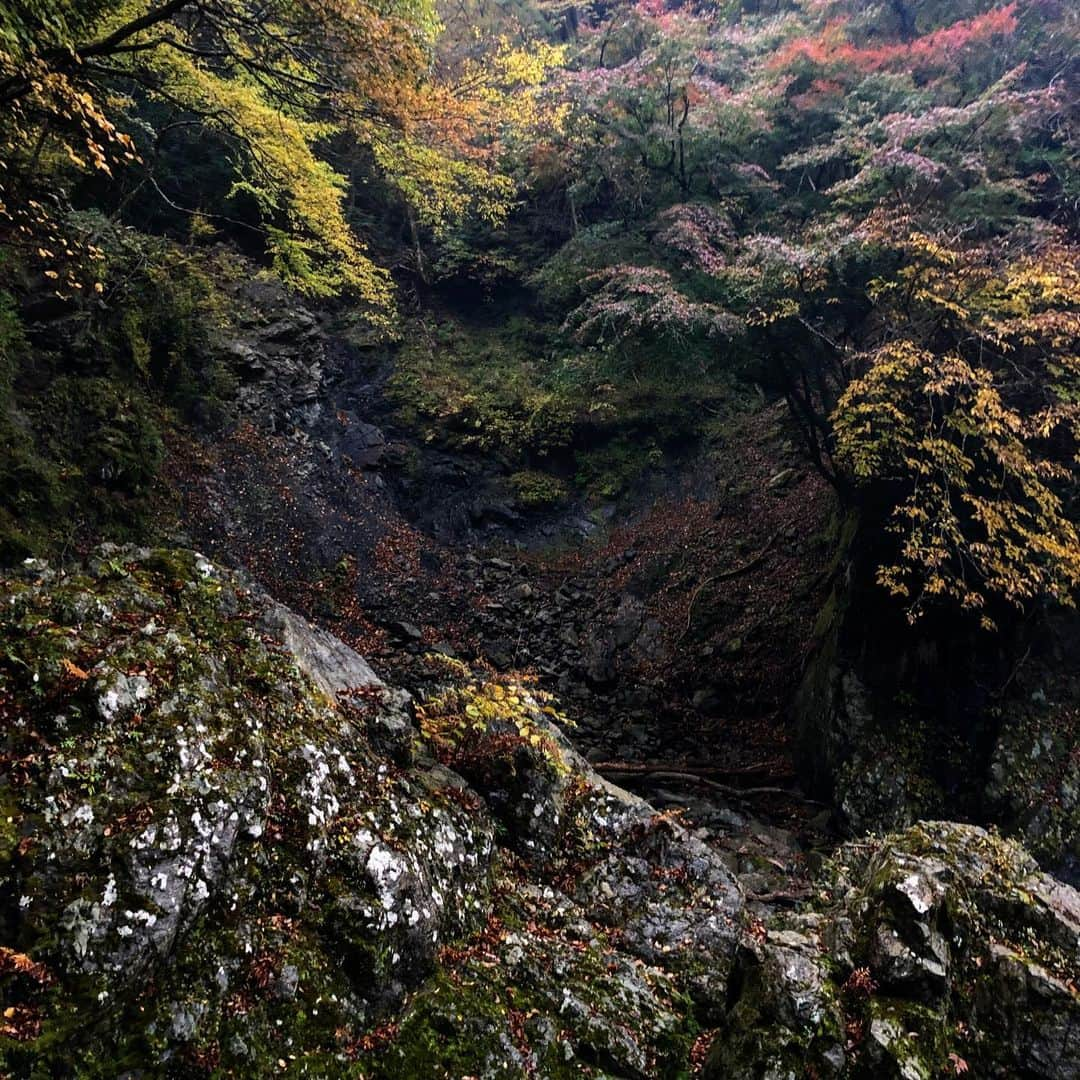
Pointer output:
x,y
230,850
718,624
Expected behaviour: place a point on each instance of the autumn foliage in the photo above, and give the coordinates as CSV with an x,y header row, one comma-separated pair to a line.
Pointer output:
x,y
875,213
868,209
101,86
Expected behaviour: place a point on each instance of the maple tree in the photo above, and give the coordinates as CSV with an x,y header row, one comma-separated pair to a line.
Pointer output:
x,y
277,85
975,414
879,215
866,210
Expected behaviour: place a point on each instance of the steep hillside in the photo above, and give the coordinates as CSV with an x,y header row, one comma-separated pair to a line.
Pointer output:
x,y
539,540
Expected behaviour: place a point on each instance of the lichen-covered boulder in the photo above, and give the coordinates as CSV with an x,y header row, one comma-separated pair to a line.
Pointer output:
x,y
202,848
540,993
225,849
674,903
940,950
671,898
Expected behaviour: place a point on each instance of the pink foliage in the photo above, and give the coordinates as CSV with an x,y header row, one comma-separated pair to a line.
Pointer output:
x,y
629,301
697,232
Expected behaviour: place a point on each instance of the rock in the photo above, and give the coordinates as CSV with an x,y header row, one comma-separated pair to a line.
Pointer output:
x,y
405,631
939,945
628,619
706,700
896,724
120,696
224,859
672,899
1036,752
343,675
852,754
780,480
279,367
326,660
227,841
492,512
362,443
239,807
599,659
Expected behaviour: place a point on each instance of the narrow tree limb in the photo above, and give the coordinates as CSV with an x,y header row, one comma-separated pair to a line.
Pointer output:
x,y
729,790
725,575
108,45
767,768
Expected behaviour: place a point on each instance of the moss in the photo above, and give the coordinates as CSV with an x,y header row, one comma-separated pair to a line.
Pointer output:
x,y
613,469
177,623
918,1037
454,1028
537,490
554,1006
513,392
475,388
82,415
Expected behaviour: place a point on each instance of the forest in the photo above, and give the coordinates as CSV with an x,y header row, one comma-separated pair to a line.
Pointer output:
x,y
540,539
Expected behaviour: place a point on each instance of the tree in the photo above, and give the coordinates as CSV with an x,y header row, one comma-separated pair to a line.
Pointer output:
x,y
277,82
879,214
974,424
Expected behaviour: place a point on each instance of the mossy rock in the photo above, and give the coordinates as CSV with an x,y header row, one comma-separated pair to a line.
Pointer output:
x,y
198,817
935,951
216,865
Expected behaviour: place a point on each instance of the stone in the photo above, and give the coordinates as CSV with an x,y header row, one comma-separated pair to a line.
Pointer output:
x,y
405,631
940,944
780,480
362,443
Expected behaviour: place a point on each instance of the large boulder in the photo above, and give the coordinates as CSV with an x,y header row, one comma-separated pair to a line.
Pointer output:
x,y
196,810
937,951
228,848
225,849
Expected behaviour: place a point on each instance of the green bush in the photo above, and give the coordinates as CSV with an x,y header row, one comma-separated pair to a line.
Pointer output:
x,y
537,489
480,389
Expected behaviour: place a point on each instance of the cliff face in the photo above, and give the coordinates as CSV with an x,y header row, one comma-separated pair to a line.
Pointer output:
x,y
898,723
230,849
